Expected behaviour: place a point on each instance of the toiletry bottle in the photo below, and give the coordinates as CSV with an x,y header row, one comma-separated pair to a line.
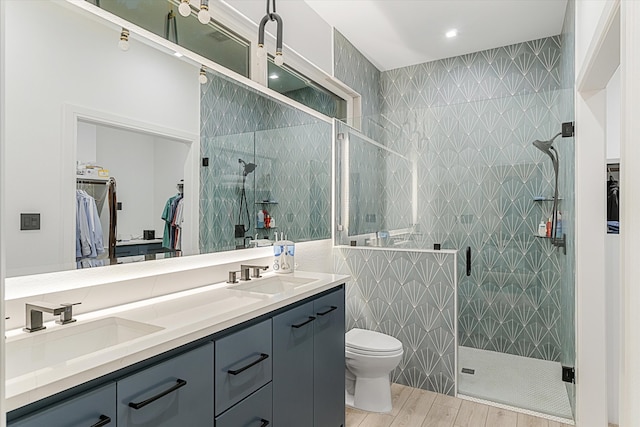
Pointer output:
x,y
542,228
549,227
267,221
272,222
260,219
559,224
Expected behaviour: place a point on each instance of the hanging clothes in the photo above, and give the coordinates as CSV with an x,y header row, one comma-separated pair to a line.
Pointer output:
x,y
89,239
171,235
613,207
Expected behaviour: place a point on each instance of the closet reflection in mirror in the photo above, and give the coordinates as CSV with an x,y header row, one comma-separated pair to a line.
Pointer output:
x,y
132,182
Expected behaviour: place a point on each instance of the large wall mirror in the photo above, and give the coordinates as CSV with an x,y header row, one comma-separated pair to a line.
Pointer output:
x,y
234,154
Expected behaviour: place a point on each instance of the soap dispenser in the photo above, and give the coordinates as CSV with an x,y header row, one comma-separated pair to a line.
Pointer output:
x,y
284,257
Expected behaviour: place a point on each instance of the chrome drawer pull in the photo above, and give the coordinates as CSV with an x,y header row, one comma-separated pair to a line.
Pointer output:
x,y
104,420
322,313
299,325
179,383
263,356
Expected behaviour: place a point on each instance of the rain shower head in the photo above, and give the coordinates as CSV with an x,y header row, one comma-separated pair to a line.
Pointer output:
x,y
248,167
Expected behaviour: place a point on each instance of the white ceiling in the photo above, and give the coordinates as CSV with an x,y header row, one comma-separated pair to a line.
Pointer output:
x,y
398,33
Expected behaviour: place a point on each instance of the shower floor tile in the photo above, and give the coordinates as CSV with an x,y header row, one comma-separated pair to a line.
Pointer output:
x,y
512,380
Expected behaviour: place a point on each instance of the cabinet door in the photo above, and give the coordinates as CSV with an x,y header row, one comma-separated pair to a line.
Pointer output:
x,y
293,367
176,392
254,411
243,364
95,408
328,358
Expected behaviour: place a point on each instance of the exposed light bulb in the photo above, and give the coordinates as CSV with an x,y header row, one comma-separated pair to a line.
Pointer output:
x,y
202,78
123,44
279,59
184,8
261,51
451,33
203,15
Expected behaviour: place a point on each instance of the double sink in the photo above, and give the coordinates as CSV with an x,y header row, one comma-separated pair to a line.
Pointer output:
x,y
28,353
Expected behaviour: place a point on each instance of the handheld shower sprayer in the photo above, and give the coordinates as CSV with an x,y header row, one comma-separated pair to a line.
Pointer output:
x,y
247,169
547,148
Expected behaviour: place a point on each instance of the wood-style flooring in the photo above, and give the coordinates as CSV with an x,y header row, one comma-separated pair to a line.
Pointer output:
x,y
421,408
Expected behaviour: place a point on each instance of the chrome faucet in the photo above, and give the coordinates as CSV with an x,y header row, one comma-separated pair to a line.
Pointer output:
x,y
244,271
34,310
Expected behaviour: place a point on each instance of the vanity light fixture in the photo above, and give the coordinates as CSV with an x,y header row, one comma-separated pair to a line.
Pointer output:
x,y
123,44
184,8
204,16
202,78
271,16
451,33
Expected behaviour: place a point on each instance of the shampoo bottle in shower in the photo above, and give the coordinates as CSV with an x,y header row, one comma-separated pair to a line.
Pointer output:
x,y
542,228
548,230
260,219
559,224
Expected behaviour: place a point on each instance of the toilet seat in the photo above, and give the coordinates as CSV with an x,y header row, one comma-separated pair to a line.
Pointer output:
x,y
371,343
371,353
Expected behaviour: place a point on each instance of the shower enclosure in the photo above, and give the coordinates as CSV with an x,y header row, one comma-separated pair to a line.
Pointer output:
x,y
473,180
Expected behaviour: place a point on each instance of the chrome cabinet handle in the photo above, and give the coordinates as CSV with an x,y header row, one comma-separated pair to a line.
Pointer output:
x,y
179,383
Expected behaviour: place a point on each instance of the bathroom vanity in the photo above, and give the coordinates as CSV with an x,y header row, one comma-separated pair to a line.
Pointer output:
x,y
268,351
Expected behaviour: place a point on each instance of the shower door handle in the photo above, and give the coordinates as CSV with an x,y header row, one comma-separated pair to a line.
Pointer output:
x,y
468,260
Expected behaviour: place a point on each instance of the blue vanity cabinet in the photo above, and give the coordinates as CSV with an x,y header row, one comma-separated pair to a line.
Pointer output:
x,y
242,364
254,411
176,392
308,363
96,408
293,367
328,360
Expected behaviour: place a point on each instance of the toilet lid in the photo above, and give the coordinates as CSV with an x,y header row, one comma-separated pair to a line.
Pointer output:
x,y
361,339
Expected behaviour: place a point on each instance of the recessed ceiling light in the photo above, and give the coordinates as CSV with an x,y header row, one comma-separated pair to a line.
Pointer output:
x,y
274,76
451,33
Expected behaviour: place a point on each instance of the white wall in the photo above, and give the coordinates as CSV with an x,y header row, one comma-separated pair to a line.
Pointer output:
x,y
56,56
612,259
303,29
2,206
613,117
588,14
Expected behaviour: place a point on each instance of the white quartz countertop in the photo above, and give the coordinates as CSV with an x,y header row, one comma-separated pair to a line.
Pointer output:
x,y
174,320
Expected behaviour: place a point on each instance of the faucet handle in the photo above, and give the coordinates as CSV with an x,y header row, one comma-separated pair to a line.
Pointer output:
x,y
232,277
67,314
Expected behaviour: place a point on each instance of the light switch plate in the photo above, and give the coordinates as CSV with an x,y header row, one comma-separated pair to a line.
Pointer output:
x,y
29,221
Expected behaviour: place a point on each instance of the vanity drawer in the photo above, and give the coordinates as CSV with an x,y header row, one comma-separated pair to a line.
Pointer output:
x,y
93,408
243,364
255,411
176,392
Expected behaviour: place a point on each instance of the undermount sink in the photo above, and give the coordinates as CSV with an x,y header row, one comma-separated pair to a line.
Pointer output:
x,y
64,343
272,285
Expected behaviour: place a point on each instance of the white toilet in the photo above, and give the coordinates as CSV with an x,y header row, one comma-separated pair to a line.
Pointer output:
x,y
370,357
